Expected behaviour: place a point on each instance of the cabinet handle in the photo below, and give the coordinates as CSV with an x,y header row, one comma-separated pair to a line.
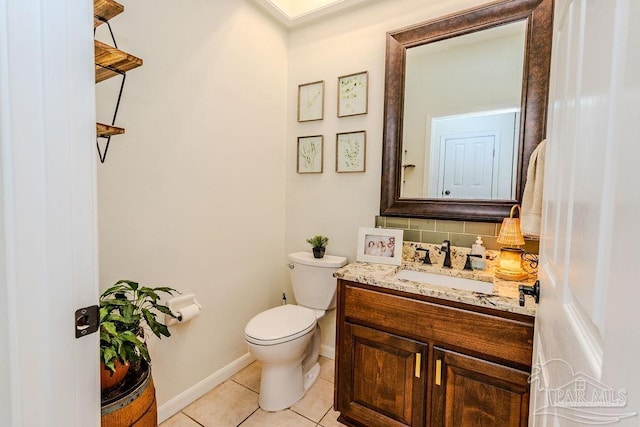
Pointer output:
x,y
418,363
438,371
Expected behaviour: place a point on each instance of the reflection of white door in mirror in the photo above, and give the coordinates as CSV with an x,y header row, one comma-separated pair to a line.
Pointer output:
x,y
473,156
456,77
467,167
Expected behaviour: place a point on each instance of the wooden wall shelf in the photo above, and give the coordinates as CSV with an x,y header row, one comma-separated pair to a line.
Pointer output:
x,y
103,130
103,10
112,62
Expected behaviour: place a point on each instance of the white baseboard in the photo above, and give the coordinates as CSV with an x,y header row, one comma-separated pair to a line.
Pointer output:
x,y
175,405
328,352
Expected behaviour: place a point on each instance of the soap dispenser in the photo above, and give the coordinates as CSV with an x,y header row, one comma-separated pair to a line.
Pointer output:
x,y
478,248
477,253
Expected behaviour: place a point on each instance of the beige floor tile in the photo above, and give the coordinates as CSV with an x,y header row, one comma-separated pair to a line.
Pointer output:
x,y
327,369
331,419
250,376
284,418
179,420
226,405
316,402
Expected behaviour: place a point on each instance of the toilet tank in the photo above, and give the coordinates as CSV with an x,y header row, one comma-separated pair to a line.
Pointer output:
x,y
312,278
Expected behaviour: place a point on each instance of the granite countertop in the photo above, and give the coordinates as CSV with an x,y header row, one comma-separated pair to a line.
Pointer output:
x,y
505,294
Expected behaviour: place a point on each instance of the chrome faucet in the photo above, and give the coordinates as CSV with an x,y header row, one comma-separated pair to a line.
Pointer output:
x,y
446,248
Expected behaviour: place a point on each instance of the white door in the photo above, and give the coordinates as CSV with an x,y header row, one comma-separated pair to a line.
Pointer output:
x,y
468,166
587,337
459,156
48,262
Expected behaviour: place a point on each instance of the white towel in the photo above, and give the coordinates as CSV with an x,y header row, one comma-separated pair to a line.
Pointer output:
x,y
532,197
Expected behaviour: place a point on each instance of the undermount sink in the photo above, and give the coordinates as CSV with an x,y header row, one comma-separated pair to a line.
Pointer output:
x,y
446,281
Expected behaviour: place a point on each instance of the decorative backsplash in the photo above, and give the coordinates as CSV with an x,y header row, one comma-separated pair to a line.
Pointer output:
x,y
460,233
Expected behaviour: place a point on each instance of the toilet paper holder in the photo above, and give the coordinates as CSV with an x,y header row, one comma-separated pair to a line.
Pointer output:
x,y
177,305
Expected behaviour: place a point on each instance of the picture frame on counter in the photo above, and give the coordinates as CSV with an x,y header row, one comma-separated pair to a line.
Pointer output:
x,y
353,94
351,149
310,154
311,101
379,245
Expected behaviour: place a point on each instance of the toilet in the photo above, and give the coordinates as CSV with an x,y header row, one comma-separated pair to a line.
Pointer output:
x,y
286,339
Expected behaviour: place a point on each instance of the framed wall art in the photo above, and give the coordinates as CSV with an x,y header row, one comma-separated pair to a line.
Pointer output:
x,y
311,101
351,151
379,245
310,154
353,91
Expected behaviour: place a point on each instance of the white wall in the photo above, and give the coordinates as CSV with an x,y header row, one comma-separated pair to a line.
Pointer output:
x,y
337,204
193,195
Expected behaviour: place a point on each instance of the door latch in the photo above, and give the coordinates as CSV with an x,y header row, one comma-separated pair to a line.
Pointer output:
x,y
87,320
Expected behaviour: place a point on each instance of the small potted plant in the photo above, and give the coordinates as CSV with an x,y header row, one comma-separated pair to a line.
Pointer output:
x,y
126,311
319,244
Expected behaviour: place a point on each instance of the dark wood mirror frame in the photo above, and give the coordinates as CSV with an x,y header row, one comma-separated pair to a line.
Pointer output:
x,y
535,91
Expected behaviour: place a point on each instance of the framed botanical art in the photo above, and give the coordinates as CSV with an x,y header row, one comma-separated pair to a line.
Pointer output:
x,y
351,151
353,91
310,154
311,101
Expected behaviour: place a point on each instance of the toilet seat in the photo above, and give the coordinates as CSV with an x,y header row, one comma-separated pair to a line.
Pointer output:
x,y
280,324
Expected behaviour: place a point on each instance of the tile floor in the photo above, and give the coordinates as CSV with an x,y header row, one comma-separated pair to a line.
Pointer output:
x,y
235,403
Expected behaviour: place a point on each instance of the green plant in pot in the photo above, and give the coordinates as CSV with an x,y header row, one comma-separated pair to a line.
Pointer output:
x,y
126,311
319,244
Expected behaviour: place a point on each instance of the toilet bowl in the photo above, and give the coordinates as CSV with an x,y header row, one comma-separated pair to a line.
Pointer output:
x,y
286,339
280,338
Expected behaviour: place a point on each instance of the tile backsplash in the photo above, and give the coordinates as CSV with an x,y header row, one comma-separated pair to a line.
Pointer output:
x,y
460,233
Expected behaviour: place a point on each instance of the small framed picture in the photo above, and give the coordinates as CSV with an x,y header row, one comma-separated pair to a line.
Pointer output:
x,y
311,101
351,151
353,92
379,245
310,154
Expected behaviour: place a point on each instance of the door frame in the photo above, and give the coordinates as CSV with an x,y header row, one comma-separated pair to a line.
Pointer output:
x,y
434,155
48,215
586,335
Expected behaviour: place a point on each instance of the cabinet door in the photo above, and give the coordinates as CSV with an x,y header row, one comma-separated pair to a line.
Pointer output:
x,y
382,378
473,392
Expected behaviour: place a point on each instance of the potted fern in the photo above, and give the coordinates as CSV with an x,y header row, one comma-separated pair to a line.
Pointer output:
x,y
127,310
318,244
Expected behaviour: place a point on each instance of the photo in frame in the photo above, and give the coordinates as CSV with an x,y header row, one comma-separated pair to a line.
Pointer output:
x,y
310,154
311,101
353,92
351,148
379,245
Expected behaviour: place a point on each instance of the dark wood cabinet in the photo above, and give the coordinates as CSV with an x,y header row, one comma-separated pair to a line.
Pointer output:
x,y
471,391
410,360
385,385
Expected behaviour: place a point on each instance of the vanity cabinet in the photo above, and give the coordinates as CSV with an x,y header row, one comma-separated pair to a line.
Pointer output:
x,y
472,391
411,360
379,385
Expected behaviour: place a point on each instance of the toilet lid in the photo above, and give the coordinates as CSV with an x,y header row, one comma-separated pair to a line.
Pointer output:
x,y
280,324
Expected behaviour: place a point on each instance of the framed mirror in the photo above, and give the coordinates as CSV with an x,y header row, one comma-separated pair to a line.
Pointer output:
x,y
465,106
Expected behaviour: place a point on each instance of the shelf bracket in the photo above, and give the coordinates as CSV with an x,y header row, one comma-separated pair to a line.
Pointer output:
x,y
103,155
